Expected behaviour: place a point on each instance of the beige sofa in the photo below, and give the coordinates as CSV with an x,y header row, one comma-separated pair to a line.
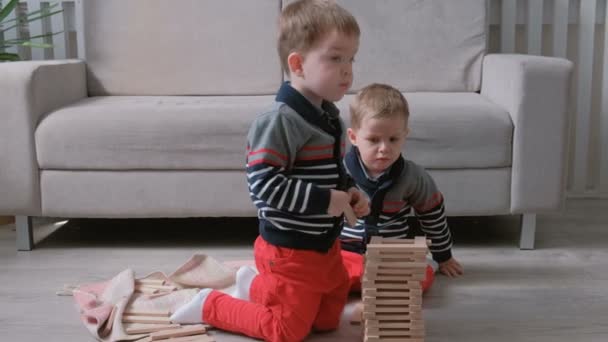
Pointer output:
x,y
152,121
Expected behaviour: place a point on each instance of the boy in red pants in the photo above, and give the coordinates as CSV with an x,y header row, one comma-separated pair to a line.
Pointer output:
x,y
297,181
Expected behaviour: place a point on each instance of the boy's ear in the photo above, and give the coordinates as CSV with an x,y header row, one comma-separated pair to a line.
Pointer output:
x,y
352,136
407,131
294,61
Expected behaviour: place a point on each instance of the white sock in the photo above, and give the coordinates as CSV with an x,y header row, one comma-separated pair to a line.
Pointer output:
x,y
244,278
191,312
433,263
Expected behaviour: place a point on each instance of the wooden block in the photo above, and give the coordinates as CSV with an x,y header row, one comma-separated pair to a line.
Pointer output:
x,y
382,270
107,329
382,285
394,332
168,288
388,339
392,317
397,279
145,289
370,292
421,241
146,319
145,339
150,281
391,309
401,264
396,244
376,255
393,301
357,315
390,277
148,328
417,324
182,331
152,313
375,240
405,333
393,241
351,218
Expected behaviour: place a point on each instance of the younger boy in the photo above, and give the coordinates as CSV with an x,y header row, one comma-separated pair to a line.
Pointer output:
x,y
297,181
397,188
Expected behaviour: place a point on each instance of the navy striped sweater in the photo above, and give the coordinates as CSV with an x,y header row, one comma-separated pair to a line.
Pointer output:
x,y
294,158
405,191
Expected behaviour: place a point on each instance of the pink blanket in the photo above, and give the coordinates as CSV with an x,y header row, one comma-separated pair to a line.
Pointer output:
x,y
101,305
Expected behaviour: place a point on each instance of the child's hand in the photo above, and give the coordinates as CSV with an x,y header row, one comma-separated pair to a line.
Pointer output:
x,y
338,202
451,268
359,202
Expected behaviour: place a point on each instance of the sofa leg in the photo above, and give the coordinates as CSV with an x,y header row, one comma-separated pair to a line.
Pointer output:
x,y
25,233
528,231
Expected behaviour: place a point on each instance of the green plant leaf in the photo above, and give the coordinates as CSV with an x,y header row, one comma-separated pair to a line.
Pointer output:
x,y
29,14
8,9
37,45
4,56
31,19
33,37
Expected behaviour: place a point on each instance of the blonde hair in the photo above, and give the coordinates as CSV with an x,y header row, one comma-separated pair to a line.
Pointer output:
x,y
303,23
378,101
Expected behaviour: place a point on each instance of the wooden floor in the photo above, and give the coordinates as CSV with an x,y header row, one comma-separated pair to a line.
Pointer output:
x,y
558,292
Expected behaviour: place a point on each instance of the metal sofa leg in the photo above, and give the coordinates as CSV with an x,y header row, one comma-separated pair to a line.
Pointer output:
x,y
25,234
528,231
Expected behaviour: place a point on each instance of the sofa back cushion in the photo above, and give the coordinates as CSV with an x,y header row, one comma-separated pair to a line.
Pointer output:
x,y
420,45
181,47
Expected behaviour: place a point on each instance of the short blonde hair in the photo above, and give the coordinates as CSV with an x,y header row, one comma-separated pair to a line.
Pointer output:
x,y
378,101
303,23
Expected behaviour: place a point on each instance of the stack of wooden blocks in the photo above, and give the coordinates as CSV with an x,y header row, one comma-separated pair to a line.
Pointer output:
x,y
392,292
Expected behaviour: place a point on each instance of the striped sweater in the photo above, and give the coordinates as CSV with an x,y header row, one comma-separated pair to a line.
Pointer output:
x,y
294,158
403,192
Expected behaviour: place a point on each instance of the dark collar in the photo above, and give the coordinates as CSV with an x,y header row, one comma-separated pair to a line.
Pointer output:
x,y
354,165
327,119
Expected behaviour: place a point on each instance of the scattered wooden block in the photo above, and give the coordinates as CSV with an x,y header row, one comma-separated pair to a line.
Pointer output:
x,y
145,339
151,313
150,281
148,328
182,331
107,329
168,288
146,319
145,289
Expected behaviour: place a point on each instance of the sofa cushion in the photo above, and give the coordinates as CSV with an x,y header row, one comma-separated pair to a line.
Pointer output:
x,y
414,45
125,133
181,47
448,130
454,130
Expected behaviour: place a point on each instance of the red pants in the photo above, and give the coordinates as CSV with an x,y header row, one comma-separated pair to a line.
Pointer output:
x,y
353,262
295,292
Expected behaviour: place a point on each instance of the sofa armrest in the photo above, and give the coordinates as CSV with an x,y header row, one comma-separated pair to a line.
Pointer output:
x,y
535,91
29,90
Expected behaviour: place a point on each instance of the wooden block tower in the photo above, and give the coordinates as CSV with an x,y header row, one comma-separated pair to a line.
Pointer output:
x,y
392,293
